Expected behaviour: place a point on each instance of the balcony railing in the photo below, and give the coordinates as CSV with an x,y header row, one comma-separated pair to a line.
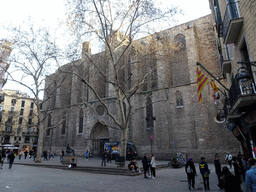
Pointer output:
x,y
9,133
241,98
232,23
29,133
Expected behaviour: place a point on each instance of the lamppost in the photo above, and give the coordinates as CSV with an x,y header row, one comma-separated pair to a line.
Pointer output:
x,y
150,129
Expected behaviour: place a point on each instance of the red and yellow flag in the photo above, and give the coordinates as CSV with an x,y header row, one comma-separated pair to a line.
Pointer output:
x,y
214,87
215,94
202,80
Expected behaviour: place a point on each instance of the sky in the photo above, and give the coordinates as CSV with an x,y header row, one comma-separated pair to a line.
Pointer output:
x,y
50,13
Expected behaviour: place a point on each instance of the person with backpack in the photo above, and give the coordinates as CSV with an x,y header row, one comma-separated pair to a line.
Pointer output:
x,y
204,170
191,173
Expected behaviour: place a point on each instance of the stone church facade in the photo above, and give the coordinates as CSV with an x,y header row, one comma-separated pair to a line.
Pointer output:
x,y
167,107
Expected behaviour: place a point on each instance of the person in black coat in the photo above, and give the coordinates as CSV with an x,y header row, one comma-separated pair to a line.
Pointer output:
x,y
191,173
26,154
3,157
11,159
229,181
145,164
217,168
104,156
237,170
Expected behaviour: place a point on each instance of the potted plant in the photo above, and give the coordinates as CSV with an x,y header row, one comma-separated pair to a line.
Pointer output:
x,y
174,163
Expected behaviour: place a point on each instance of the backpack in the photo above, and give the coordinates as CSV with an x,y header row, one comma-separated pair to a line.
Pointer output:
x,y
189,169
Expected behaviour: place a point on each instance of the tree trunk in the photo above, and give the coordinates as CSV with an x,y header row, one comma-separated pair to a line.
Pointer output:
x,y
40,140
123,141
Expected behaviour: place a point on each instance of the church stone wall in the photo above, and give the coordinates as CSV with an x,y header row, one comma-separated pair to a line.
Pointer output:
x,y
186,127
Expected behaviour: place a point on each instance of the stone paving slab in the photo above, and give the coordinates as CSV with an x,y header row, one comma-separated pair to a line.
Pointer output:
x,y
39,179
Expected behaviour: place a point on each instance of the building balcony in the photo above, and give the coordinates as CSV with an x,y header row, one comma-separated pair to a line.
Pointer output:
x,y
9,133
31,134
241,98
230,118
30,124
232,23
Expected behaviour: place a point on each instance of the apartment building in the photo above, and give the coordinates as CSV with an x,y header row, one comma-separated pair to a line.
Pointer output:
x,y
18,120
235,24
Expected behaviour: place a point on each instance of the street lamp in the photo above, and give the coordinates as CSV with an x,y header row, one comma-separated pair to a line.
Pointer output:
x,y
150,129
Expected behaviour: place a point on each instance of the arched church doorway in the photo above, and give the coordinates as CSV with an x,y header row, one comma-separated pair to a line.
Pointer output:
x,y
99,136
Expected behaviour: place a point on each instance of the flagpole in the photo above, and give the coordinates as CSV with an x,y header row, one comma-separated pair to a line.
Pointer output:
x,y
197,63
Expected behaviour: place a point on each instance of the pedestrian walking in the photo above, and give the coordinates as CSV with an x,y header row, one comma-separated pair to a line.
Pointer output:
x,y
26,154
145,164
87,155
3,154
204,170
191,173
250,177
45,155
104,156
228,158
109,153
153,166
244,167
49,155
34,154
217,166
11,159
237,170
61,155
20,154
228,181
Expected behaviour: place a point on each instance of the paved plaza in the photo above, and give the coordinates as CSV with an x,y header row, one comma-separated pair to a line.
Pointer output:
x,y
22,178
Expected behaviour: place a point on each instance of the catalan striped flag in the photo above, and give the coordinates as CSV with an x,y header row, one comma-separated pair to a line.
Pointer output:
x,y
215,94
214,87
202,80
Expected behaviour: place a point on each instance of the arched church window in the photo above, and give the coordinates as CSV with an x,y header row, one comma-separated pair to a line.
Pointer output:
x,y
63,128
179,100
180,42
81,121
149,111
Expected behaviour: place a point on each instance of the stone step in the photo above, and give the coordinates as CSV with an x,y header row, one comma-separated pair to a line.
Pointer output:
x,y
97,170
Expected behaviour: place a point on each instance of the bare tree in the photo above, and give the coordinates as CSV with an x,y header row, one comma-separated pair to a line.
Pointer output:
x,y
35,55
116,25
